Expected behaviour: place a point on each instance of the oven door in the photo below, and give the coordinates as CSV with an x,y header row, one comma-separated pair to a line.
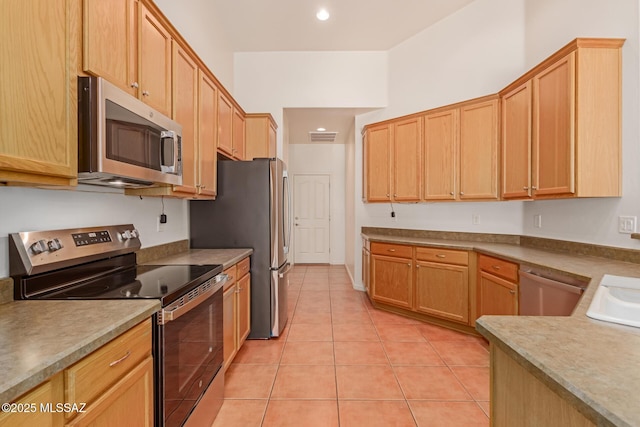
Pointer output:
x,y
188,352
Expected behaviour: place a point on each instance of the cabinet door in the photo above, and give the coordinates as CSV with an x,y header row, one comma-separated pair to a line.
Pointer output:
x,y
496,295
129,402
377,147
244,308
38,91
442,290
185,107
273,140
391,280
366,265
109,47
479,150
155,62
407,160
229,324
516,143
207,130
225,124
441,155
238,134
45,393
553,129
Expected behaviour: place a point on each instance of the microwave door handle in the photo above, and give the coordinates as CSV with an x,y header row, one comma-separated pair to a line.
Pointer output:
x,y
176,151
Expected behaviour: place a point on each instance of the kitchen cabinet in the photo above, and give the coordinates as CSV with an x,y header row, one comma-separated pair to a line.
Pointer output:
x,y
497,286
238,134
575,101
393,168
261,136
519,398
461,151
376,167
516,142
236,308
38,92
392,274
194,107
115,384
366,266
225,124
126,43
442,283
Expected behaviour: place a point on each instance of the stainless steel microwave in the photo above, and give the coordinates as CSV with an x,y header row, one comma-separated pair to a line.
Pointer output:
x,y
122,142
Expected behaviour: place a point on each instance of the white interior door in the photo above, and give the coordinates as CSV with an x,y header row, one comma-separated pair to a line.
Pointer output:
x,y
311,218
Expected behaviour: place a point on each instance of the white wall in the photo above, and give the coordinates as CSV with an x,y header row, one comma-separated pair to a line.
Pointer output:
x,y
267,82
474,52
197,22
30,209
325,159
550,24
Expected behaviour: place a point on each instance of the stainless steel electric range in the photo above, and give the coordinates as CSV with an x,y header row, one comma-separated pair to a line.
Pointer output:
x,y
100,263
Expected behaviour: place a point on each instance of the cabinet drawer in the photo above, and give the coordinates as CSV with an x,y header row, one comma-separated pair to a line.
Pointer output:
x,y
498,267
389,249
243,267
446,256
232,272
94,374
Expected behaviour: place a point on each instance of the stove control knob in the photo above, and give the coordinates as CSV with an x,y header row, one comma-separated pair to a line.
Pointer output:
x,y
125,235
55,245
39,247
134,234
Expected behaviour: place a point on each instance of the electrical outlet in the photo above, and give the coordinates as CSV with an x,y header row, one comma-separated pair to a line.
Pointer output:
x,y
475,219
627,224
161,225
537,221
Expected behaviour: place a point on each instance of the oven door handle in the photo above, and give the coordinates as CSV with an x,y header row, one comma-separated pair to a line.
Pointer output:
x,y
175,310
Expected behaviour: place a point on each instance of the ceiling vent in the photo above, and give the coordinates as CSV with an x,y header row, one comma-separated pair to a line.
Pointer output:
x,y
322,136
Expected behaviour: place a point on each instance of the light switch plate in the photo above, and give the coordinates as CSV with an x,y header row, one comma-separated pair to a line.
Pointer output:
x,y
627,224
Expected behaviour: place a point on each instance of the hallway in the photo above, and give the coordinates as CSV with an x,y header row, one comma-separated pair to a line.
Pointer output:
x,y
340,362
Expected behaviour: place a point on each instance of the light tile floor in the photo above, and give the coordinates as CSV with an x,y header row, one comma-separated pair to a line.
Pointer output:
x,y
341,362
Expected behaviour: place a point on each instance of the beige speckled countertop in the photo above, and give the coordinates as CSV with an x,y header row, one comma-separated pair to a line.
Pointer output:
x,y
592,364
40,338
226,257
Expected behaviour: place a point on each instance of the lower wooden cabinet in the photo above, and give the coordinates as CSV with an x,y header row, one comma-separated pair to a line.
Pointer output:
x,y
497,286
520,399
442,290
391,276
366,268
236,309
113,386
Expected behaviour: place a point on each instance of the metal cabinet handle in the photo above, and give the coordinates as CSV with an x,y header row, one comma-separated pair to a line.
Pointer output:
x,y
115,362
441,256
525,188
534,188
395,195
409,264
387,194
145,93
512,292
134,85
451,193
462,193
391,250
496,267
418,266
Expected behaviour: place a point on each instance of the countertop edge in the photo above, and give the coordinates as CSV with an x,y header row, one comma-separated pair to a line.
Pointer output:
x,y
84,348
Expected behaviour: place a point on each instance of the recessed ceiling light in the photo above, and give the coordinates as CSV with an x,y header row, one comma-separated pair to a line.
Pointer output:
x,y
321,129
322,15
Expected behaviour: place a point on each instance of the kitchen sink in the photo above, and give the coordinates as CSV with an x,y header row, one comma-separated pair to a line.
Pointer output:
x,y
617,300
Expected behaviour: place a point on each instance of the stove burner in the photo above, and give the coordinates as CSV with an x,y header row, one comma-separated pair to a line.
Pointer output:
x,y
92,290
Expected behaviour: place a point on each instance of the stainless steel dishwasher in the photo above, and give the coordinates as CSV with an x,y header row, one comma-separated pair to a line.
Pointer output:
x,y
544,293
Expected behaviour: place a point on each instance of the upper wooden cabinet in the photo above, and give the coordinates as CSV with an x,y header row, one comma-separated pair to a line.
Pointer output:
x,y
124,42
194,107
38,92
574,99
461,151
238,135
393,161
225,124
260,137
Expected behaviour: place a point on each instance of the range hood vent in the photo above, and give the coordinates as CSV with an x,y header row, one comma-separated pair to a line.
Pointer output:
x,y
322,136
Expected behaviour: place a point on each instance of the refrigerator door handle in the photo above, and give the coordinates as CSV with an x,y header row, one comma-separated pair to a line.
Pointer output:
x,y
288,209
287,267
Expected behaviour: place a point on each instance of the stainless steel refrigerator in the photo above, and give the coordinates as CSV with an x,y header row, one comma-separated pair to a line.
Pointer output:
x,y
252,210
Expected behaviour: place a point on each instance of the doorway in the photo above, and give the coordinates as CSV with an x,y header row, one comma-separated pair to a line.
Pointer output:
x,y
311,219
